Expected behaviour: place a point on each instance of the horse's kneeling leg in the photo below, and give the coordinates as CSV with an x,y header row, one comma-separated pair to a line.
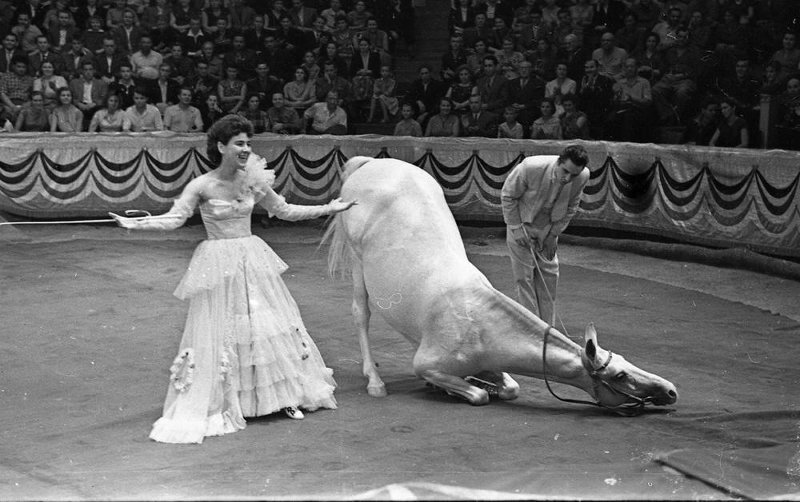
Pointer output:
x,y
508,388
456,386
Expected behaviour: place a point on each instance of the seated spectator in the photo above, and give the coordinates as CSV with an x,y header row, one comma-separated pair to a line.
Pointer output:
x,y
275,12
544,60
528,37
525,94
302,16
8,52
208,54
475,58
48,83
523,18
365,59
242,57
460,90
204,84
88,92
164,91
182,66
461,17
383,94
280,61
573,55
357,18
183,10
454,58
142,116
550,12
330,54
331,81
425,92
560,86
648,13
253,112
145,61
317,37
111,118
677,85
500,31
732,129
311,66
480,30
378,41
34,117
492,87
62,32
564,28
16,86
548,126
290,38
407,126
66,117
223,37
26,32
632,110
630,37
211,14
510,128
300,93
192,41
770,83
127,35
183,117
702,127
283,119
326,117
574,123
264,84
70,64
731,39
87,10
124,86
108,61
210,111
667,30
479,121
508,55
596,94
362,87
607,16
787,128
115,14
650,59
231,91
609,57
342,36
700,32
445,123
332,13
788,56
41,54
151,13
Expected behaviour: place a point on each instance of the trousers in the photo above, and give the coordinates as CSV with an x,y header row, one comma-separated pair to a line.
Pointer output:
x,y
536,287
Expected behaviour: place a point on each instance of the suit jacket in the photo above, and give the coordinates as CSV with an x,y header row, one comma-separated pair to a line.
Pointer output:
x,y
70,69
36,58
120,36
104,69
53,36
429,96
99,91
530,95
5,64
373,64
308,17
495,94
525,194
612,17
484,126
154,91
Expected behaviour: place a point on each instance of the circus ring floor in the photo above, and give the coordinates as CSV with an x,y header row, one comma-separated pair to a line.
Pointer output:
x,y
89,328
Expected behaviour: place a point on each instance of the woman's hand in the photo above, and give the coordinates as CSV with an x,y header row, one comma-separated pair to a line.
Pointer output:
x,y
123,221
337,205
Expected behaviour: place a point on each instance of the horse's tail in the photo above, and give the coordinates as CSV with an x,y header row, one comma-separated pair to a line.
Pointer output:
x,y
340,254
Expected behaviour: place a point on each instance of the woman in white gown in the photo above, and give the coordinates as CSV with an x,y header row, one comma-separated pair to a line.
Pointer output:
x,y
245,351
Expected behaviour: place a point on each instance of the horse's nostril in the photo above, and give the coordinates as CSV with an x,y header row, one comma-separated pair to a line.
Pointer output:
x,y
672,393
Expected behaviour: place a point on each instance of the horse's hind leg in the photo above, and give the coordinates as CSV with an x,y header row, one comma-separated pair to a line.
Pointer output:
x,y
361,315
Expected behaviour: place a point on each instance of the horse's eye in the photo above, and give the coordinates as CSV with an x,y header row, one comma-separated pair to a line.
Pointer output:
x,y
620,376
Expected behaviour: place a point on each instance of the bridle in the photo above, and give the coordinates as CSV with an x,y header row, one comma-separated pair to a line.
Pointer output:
x,y
625,409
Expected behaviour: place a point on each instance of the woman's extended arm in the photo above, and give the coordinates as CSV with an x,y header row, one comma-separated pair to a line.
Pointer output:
x,y
181,210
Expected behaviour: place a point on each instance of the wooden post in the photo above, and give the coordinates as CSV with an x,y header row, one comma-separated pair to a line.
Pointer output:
x,y
768,112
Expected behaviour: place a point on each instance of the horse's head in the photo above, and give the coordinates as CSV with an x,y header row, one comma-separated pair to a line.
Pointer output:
x,y
619,385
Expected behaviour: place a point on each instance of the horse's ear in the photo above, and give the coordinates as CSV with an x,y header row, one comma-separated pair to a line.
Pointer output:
x,y
590,339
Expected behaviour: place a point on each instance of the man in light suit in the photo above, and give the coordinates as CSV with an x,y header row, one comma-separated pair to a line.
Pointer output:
x,y
88,92
539,198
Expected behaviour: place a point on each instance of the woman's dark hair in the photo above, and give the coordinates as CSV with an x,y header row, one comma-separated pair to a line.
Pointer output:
x,y
576,153
222,131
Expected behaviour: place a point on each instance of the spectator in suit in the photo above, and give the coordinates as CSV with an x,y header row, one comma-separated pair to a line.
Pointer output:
x,y
241,15
530,34
44,53
88,9
330,80
127,35
596,93
255,37
194,38
124,85
494,9
10,50
88,92
209,56
94,35
608,16
492,87
182,66
425,92
278,59
461,17
574,56
163,35
26,32
678,84
365,59
478,121
166,89
63,32
291,39
72,60
264,84
480,29
108,62
180,14
242,57
453,59
302,16
525,94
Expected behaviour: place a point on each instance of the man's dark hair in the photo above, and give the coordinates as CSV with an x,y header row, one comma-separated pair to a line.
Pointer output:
x,y
576,153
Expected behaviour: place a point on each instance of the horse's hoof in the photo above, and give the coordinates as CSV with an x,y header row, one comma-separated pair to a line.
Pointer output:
x,y
508,394
376,390
478,398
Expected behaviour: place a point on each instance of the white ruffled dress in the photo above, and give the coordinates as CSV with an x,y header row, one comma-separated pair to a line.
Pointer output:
x,y
245,351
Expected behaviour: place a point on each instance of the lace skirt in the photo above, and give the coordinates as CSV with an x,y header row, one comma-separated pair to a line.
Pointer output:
x,y
245,351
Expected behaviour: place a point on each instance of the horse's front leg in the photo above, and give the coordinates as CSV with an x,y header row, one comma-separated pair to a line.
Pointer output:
x,y
429,367
361,315
507,387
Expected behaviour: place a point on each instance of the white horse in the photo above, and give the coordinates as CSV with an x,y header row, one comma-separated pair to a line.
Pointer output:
x,y
408,262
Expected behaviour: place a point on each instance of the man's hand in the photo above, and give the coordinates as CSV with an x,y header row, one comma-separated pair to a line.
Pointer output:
x,y
549,247
519,236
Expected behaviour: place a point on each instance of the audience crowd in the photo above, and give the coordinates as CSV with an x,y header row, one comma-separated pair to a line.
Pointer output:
x,y
542,69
